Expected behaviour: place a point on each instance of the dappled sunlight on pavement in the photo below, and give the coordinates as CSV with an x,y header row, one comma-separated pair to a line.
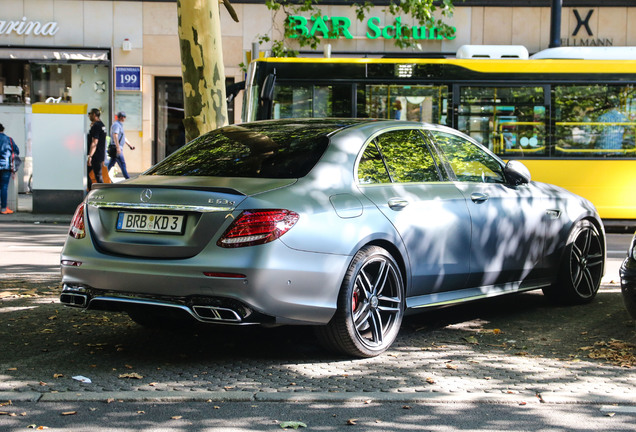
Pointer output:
x,y
517,347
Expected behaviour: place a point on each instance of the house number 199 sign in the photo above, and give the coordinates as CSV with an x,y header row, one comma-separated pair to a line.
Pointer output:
x,y
127,78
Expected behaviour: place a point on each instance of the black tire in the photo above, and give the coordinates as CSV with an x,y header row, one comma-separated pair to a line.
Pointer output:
x,y
370,306
581,267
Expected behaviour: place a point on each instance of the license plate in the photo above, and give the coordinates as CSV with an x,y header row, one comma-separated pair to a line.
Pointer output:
x,y
151,223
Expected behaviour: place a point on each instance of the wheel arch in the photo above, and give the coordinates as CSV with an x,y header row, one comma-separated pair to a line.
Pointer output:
x,y
397,256
597,224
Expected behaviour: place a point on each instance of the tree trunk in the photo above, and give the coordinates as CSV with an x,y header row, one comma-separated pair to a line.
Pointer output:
x,y
204,99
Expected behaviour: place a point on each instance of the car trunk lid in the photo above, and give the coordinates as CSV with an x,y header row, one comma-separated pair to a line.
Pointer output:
x,y
167,217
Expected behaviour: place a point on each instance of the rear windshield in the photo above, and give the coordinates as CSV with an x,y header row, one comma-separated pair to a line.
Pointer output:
x,y
266,150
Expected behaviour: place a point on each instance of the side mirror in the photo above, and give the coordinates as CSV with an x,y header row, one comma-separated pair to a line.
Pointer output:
x,y
517,173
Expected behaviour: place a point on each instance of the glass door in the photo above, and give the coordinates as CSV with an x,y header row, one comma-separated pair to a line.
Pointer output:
x,y
507,120
169,115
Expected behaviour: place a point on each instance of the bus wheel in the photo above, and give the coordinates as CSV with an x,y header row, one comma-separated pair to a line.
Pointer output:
x,y
581,268
370,306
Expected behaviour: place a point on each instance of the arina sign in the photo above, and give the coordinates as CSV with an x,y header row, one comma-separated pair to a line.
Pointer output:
x,y
335,27
24,28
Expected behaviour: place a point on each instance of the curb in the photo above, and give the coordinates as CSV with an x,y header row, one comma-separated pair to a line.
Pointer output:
x,y
286,397
36,218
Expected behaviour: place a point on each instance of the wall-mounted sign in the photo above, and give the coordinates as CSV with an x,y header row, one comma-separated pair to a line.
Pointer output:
x,y
127,78
25,27
583,23
337,27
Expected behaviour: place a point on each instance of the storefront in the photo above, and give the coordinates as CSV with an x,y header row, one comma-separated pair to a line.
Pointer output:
x,y
64,51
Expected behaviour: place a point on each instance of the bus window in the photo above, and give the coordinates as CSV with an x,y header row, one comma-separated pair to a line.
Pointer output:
x,y
414,103
510,121
595,120
308,100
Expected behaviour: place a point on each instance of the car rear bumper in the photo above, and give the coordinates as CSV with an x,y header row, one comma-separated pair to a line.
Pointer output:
x,y
282,286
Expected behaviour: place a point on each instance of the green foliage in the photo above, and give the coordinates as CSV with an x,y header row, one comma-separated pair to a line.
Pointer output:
x,y
422,11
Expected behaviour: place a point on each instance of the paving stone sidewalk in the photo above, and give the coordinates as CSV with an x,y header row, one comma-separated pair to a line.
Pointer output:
x,y
512,348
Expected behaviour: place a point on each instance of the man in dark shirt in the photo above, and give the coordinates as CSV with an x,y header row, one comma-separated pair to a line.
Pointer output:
x,y
96,146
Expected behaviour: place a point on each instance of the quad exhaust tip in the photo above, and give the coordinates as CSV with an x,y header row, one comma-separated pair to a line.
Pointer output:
x,y
77,296
216,313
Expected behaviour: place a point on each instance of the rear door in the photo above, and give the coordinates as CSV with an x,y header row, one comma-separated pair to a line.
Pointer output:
x,y
508,222
400,175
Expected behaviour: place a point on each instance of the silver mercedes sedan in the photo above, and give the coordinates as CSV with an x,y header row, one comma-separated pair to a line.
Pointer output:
x,y
345,224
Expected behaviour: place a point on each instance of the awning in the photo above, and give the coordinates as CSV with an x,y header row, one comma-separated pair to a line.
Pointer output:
x,y
55,55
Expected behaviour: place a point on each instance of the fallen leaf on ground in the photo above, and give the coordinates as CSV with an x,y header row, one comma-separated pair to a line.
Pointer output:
x,y
615,351
451,366
133,375
472,340
352,421
176,417
67,413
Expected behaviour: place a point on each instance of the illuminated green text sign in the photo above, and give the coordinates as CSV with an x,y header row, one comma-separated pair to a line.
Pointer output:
x,y
337,27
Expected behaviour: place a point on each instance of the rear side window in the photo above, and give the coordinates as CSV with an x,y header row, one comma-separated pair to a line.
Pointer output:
x,y
371,169
256,151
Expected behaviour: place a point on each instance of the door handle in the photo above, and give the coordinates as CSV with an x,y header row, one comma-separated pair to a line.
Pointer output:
x,y
479,197
398,203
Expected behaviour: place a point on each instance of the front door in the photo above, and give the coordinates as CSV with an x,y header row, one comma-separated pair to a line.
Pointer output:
x,y
508,221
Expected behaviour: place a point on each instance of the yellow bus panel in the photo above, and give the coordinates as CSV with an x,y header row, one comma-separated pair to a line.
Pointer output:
x,y
609,184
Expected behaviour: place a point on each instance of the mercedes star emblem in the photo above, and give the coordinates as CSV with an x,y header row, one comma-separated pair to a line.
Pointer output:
x,y
145,196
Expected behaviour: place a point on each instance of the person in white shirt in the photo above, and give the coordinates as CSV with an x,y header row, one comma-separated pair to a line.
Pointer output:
x,y
118,137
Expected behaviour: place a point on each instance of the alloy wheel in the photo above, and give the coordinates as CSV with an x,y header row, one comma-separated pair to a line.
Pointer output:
x,y
376,301
586,262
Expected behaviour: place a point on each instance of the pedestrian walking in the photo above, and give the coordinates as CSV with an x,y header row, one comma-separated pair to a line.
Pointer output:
x,y
118,138
96,147
8,152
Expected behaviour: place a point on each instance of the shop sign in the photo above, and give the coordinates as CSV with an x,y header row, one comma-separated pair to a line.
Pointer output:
x,y
583,23
25,27
337,27
127,78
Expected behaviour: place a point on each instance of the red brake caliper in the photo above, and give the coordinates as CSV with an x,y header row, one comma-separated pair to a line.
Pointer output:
x,y
355,300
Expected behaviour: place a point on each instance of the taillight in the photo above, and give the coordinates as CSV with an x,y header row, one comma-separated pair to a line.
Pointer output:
x,y
255,227
78,230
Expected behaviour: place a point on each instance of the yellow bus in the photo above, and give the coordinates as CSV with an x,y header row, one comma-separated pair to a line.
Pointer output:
x,y
568,114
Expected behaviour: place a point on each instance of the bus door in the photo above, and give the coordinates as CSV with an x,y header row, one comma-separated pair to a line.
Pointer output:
x,y
422,103
511,121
